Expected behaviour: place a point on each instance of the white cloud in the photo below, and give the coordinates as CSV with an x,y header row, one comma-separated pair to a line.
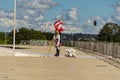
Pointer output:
x,y
2,13
26,17
46,26
33,10
72,29
73,14
90,22
5,14
39,18
71,21
89,26
36,4
117,17
116,14
117,9
101,21
30,12
23,23
5,22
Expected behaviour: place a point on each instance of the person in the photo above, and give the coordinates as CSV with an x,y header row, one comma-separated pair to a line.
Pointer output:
x,y
57,42
58,29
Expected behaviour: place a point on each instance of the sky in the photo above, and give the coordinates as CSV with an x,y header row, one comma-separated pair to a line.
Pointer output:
x,y
78,15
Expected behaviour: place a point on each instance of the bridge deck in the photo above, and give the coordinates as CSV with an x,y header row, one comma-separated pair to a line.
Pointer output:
x,y
85,67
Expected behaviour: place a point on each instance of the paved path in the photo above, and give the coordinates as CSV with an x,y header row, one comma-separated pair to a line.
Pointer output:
x,y
86,67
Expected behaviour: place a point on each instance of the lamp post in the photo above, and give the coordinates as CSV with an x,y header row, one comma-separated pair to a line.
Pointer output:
x,y
14,24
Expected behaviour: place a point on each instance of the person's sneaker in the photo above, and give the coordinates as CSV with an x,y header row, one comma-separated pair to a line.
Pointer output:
x,y
56,55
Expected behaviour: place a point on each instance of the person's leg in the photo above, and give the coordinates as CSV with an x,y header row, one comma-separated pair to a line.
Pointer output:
x,y
57,52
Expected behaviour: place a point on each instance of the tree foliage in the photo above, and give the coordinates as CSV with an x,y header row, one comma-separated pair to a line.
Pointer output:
x,y
110,32
25,34
2,37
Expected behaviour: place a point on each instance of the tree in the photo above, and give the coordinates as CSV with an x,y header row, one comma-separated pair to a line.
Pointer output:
x,y
110,32
2,37
25,34
10,39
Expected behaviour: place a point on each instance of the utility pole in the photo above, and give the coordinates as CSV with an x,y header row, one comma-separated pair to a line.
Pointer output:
x,y
14,24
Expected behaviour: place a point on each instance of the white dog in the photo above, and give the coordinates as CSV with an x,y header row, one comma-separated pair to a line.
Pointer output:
x,y
70,52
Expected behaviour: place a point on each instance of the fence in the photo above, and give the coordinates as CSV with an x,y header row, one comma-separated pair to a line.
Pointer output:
x,y
106,48
35,42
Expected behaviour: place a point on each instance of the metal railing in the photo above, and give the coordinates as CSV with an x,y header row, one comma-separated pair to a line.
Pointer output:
x,y
106,48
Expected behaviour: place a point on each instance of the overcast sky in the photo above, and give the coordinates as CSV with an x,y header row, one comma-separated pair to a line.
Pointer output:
x,y
78,15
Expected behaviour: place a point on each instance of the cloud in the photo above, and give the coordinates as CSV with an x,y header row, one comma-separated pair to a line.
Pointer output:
x,y
5,22
33,8
101,21
73,14
71,21
30,14
116,13
26,17
41,4
35,4
6,14
88,27
39,18
72,29
117,9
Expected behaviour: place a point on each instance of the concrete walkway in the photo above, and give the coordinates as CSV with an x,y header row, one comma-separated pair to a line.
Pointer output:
x,y
6,52
85,67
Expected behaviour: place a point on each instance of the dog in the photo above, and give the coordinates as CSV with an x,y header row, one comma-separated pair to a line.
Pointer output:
x,y
70,52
